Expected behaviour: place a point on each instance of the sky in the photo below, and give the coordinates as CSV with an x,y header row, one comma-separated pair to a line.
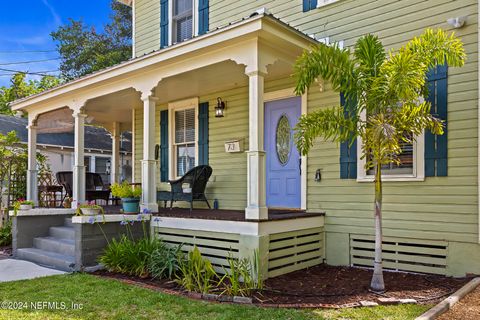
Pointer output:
x,y
25,25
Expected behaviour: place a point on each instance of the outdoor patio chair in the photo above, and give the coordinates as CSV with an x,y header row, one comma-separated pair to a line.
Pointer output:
x,y
191,187
50,193
94,187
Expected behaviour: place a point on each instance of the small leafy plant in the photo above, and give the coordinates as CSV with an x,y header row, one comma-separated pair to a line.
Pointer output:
x,y
165,261
20,202
89,205
6,234
240,279
125,190
196,273
129,256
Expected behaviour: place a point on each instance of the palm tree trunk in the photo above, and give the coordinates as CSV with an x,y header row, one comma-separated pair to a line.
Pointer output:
x,y
377,284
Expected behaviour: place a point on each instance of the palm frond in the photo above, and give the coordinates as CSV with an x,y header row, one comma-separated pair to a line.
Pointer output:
x,y
437,47
330,124
327,62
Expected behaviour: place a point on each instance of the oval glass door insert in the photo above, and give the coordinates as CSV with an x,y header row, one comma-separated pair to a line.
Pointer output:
x,y
283,139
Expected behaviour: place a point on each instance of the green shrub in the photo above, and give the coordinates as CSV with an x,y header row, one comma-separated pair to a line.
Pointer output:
x,y
165,261
129,256
240,279
125,190
6,234
196,273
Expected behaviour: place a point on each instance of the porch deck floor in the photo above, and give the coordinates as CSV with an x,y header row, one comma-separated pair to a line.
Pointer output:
x,y
219,214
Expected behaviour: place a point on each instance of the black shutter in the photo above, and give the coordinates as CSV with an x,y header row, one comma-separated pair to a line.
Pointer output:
x,y
163,23
164,146
203,133
203,19
436,146
348,150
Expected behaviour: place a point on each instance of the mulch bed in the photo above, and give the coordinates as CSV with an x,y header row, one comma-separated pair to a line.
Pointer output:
x,y
327,286
5,252
466,309
343,285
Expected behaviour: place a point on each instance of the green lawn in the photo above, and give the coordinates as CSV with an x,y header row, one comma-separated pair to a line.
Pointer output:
x,y
111,299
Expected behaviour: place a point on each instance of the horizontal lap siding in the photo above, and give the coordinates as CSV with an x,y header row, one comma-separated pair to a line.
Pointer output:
x,y
147,26
440,208
228,183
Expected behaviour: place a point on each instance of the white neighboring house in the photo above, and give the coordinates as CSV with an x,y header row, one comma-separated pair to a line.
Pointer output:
x,y
59,147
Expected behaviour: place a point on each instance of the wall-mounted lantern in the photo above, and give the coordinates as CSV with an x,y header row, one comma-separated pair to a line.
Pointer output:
x,y
220,108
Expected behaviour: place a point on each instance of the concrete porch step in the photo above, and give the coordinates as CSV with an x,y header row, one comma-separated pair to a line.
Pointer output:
x,y
61,246
47,258
62,232
68,222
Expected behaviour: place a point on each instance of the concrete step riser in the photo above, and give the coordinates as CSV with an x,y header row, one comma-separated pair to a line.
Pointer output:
x,y
44,259
68,222
62,233
55,245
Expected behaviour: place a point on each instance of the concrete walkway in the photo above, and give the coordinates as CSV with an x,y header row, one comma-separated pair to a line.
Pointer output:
x,y
12,270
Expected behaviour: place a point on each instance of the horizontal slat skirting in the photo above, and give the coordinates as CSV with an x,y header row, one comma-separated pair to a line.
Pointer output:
x,y
294,267
414,255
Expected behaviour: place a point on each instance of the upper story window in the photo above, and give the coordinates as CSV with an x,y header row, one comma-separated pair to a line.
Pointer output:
x,y
313,4
182,20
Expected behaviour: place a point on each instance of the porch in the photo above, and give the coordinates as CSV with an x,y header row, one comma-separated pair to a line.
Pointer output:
x,y
244,64
242,60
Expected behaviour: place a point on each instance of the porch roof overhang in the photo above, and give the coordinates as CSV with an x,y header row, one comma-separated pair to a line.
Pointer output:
x,y
255,42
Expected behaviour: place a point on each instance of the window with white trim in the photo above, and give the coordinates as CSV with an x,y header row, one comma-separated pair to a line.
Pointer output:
x,y
184,132
321,3
411,166
183,18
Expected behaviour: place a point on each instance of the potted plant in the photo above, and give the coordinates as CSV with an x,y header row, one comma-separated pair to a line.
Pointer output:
x,y
22,204
89,209
130,196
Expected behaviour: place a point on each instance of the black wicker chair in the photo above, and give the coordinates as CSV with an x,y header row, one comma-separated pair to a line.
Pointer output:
x,y
196,179
94,187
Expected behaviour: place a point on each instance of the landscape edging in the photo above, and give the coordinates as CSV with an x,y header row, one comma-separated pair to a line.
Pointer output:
x,y
450,301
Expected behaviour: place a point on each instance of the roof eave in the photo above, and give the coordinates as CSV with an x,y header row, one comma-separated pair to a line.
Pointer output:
x,y
22,104
126,2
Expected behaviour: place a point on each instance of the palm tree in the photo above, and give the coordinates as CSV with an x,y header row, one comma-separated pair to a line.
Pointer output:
x,y
386,108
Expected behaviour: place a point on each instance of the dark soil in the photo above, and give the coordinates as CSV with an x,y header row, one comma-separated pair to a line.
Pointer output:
x,y
5,252
342,285
329,286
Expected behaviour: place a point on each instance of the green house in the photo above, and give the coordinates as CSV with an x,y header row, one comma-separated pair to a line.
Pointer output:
x,y
189,56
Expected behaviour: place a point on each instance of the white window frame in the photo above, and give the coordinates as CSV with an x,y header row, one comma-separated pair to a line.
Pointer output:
x,y
418,172
172,107
194,21
321,3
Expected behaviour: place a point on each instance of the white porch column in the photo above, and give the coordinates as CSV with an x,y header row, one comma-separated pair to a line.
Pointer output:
x,y
78,158
149,189
32,180
115,161
256,174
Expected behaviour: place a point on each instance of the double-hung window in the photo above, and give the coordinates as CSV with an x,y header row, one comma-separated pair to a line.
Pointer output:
x,y
182,20
410,164
183,118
